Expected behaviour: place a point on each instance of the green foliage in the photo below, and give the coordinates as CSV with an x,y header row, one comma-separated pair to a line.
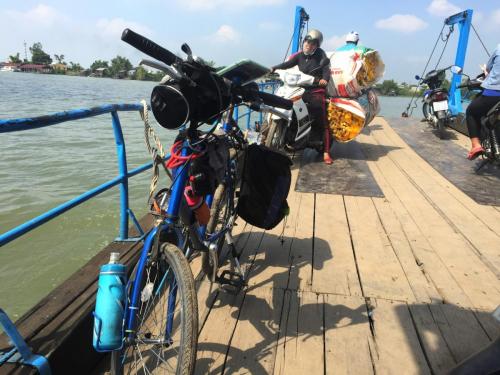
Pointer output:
x,y
392,88
388,87
99,64
38,55
15,58
60,59
120,66
75,67
142,74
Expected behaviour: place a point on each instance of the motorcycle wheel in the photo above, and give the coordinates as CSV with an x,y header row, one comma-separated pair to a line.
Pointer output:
x,y
274,139
427,111
441,128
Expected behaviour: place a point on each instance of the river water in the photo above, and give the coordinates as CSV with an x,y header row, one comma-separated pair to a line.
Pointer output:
x,y
43,168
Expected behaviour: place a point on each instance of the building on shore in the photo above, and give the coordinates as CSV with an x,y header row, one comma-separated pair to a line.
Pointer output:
x,y
35,68
9,67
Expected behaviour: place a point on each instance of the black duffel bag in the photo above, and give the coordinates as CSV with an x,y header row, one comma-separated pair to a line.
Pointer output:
x,y
265,184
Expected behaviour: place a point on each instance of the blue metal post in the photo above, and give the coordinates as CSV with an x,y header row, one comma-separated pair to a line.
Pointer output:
x,y
122,170
248,118
27,357
236,114
300,18
464,20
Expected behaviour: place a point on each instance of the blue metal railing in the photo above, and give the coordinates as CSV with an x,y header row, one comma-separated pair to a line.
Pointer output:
x,y
22,124
122,178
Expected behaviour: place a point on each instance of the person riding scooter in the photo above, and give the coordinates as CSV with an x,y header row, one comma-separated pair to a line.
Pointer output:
x,y
483,103
312,60
351,42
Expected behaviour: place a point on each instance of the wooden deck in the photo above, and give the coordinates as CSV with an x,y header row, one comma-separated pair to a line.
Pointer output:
x,y
398,284
361,285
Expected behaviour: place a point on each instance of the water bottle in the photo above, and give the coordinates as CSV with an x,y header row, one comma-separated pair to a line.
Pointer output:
x,y
198,205
110,305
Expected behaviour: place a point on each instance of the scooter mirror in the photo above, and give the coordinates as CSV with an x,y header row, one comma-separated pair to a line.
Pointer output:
x,y
187,50
456,69
417,77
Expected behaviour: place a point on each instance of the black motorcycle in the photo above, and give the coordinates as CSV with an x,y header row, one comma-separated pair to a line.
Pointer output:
x,y
435,100
490,126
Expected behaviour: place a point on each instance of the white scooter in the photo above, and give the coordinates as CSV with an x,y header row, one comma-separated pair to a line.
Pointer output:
x,y
292,133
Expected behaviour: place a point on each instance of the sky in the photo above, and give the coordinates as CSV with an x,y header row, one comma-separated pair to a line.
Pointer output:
x,y
226,31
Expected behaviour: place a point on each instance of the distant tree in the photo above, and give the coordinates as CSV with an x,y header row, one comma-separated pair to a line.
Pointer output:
x,y
119,64
388,87
75,67
140,74
15,58
60,59
99,64
38,55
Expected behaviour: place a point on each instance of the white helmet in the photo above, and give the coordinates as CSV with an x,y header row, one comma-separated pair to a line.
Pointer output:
x,y
352,37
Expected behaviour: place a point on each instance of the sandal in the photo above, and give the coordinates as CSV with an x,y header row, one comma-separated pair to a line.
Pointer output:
x,y
475,152
327,159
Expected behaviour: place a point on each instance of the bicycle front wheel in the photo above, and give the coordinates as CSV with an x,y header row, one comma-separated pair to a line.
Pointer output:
x,y
166,333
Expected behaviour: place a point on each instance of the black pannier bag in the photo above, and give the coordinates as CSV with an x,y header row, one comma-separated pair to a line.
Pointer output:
x,y
266,182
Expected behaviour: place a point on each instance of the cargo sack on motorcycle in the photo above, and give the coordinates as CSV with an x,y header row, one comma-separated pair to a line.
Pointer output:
x,y
354,70
265,186
348,117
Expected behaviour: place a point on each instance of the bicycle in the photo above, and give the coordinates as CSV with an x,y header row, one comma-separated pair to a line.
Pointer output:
x,y
161,320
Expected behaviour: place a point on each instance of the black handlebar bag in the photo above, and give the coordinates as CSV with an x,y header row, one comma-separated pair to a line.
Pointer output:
x,y
265,185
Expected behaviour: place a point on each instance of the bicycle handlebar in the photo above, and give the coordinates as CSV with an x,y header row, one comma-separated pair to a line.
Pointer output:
x,y
149,47
274,100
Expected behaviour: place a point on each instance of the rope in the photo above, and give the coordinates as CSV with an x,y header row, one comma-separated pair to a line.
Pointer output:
x,y
447,38
405,113
157,152
478,37
288,49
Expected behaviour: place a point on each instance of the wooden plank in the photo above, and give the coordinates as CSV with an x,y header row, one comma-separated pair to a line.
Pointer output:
x,y
460,329
380,271
484,214
253,346
422,288
301,252
436,349
490,325
398,348
215,337
334,268
439,244
432,266
300,347
272,259
347,336
462,217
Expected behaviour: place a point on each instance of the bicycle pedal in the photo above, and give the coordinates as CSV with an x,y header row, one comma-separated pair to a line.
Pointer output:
x,y
233,279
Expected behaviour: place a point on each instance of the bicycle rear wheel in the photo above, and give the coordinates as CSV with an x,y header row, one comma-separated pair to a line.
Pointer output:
x,y
166,333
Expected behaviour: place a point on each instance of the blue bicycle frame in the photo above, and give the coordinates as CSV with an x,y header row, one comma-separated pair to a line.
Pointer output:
x,y
180,178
